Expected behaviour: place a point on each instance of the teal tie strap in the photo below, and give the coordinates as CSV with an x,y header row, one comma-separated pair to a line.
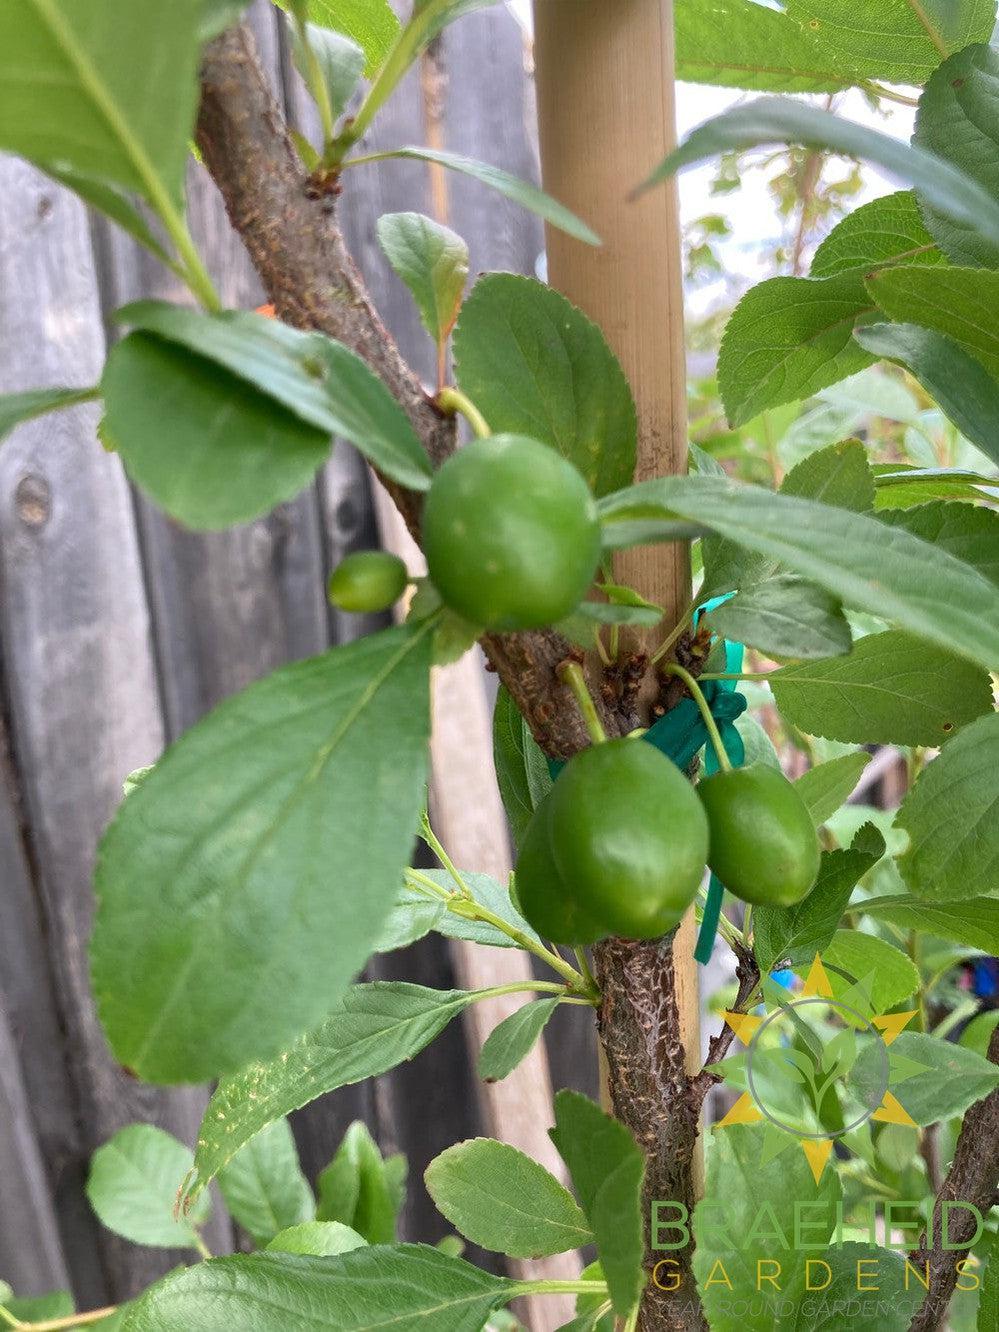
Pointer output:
x,y
681,734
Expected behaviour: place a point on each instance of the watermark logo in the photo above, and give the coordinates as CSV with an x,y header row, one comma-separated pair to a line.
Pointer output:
x,y
817,1065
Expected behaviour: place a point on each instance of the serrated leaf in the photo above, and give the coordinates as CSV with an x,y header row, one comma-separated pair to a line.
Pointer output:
x,y
319,380
432,260
904,580
369,1030
757,744
521,768
325,1239
736,44
18,407
513,1039
362,1189
500,1199
826,786
885,231
458,922
838,475
783,120
230,868
370,23
891,689
399,1287
520,192
607,1170
133,1183
955,1077
228,455
894,977
957,302
789,337
897,40
957,120
949,814
969,532
126,121
263,1185
901,486
784,617
974,922
795,934
339,63
961,386
535,365
412,918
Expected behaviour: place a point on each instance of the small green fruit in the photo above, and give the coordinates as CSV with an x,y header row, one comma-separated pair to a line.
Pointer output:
x,y
543,898
510,533
369,580
764,846
629,837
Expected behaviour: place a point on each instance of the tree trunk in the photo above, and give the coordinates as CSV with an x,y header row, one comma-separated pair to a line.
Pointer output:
x,y
606,112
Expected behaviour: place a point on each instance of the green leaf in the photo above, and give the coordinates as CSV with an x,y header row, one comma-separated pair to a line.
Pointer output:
x,y
893,977
607,1170
955,1077
230,868
789,337
456,924
370,1029
228,454
133,1185
500,1199
432,260
957,120
891,689
521,768
533,364
18,407
736,44
404,1287
321,381
988,1303
949,814
826,786
520,192
324,1239
792,935
969,532
513,1039
957,302
889,230
125,120
361,1189
781,120
784,617
758,745
965,391
263,1185
977,1035
904,580
412,918
974,922
901,486
897,40
39,1308
838,475
741,1182
339,63
372,24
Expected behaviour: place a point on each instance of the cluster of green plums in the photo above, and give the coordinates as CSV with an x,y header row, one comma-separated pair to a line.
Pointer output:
x,y
510,533
620,843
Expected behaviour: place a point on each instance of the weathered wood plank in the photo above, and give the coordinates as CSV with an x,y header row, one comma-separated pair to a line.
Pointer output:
x,y
79,670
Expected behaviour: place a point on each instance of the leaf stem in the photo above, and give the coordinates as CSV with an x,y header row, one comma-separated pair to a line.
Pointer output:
x,y
202,1247
571,674
523,987
433,841
316,83
735,675
559,1288
452,400
672,668
682,624
57,1324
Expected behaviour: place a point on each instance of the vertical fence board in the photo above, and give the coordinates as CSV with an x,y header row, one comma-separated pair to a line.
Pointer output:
x,y
79,672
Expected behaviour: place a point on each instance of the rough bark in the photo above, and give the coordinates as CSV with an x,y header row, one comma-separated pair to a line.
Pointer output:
x,y
298,250
973,1178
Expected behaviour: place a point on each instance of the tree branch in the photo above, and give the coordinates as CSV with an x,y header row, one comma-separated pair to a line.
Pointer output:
x,y
298,250
972,1178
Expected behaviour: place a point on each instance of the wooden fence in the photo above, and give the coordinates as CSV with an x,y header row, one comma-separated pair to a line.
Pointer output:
x,y
118,629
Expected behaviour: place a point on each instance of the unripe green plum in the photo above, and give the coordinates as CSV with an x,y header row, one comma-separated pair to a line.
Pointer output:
x,y
368,580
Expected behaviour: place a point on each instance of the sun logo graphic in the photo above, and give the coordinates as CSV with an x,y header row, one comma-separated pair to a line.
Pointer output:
x,y
817,1065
